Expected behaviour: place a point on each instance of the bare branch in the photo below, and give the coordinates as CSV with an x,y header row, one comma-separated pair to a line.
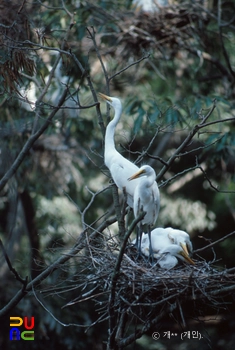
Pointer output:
x,y
55,318
145,152
92,37
148,325
11,268
112,314
214,243
209,181
93,197
183,172
129,65
187,140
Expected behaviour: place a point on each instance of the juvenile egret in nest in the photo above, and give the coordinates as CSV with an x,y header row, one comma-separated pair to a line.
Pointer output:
x,y
177,237
120,168
147,199
164,249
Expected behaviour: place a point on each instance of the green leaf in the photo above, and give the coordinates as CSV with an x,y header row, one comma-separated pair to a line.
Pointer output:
x,y
139,121
155,115
172,115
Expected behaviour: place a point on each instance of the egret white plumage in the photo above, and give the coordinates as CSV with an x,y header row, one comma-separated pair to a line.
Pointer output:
x,y
120,168
178,237
168,257
147,199
122,171
164,250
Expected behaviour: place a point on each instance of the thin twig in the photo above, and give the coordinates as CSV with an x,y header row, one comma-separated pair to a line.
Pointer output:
x,y
148,325
186,141
216,242
55,318
145,152
129,65
92,37
209,181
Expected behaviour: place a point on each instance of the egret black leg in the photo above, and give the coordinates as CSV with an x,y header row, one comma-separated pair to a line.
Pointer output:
x,y
150,246
138,240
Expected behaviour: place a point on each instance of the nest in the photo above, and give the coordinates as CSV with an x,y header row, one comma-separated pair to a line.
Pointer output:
x,y
144,291
172,27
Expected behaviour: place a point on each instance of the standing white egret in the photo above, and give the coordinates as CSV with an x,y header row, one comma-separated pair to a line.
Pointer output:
x,y
164,250
120,168
147,199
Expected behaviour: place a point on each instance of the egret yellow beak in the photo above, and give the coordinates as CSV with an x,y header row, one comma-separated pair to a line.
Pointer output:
x,y
136,175
185,254
105,97
184,247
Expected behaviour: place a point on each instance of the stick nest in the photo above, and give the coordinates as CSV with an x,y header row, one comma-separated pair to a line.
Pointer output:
x,y
137,287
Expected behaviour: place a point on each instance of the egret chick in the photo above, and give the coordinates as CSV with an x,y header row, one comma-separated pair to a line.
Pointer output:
x,y
163,250
180,237
175,236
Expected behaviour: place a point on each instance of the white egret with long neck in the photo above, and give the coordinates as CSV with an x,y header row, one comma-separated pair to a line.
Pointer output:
x,y
145,191
120,167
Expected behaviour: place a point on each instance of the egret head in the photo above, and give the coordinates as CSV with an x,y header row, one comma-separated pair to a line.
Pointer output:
x,y
178,251
183,254
145,170
180,237
112,101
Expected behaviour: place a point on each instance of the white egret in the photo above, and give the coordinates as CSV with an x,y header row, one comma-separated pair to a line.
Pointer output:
x,y
147,199
120,168
145,190
168,257
178,237
175,236
164,250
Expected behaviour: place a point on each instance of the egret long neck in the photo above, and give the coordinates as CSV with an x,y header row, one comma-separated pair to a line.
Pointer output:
x,y
109,136
150,180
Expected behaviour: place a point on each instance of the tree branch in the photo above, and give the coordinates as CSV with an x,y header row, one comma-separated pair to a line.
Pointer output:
x,y
29,143
148,325
112,314
216,242
185,143
209,181
11,268
129,65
